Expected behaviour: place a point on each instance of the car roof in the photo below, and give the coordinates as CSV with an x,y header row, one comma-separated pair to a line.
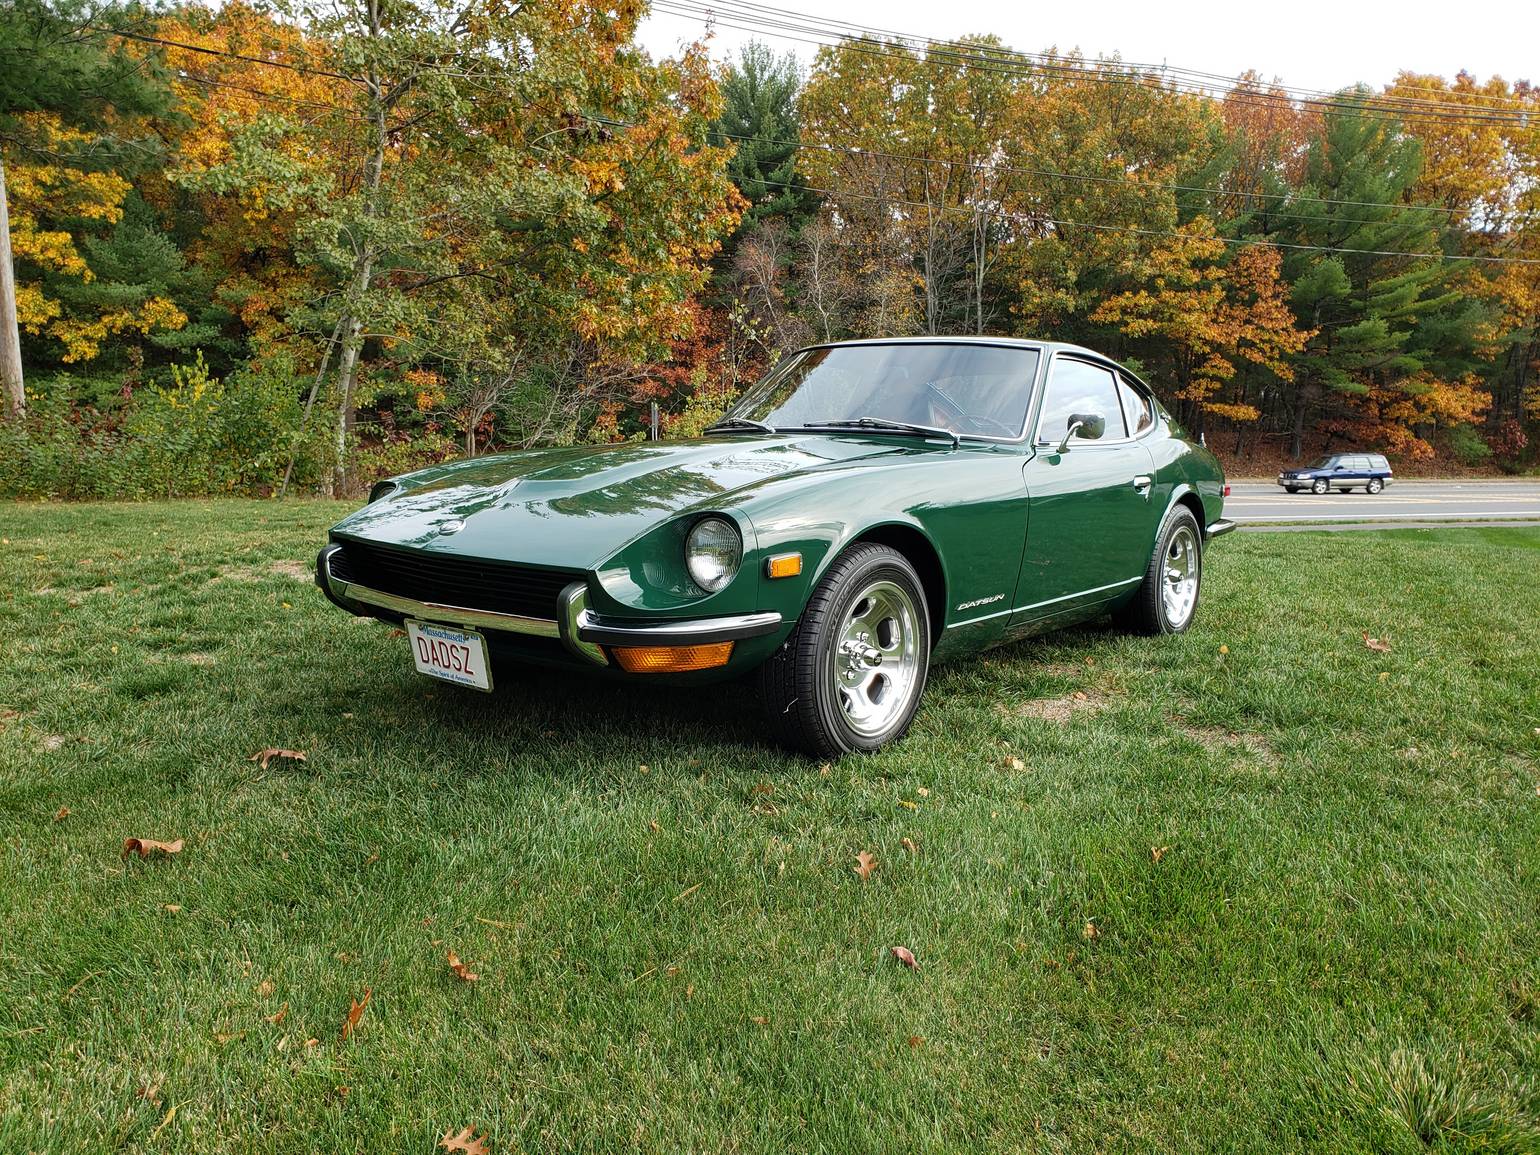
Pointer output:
x,y
1020,342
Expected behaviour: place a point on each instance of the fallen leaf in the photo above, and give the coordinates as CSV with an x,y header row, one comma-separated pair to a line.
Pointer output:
x,y
1376,644
461,970
466,1141
172,908
1159,852
278,1016
684,894
644,769
1080,696
1224,649
760,1019
919,1040
312,1042
1384,675
61,814
907,805
266,756
904,955
763,788
908,844
653,826
1014,762
922,792
865,864
823,771
265,988
355,1013
144,847
150,1093
1091,930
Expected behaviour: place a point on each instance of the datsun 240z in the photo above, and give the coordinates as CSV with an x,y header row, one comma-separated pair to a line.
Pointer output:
x,y
867,509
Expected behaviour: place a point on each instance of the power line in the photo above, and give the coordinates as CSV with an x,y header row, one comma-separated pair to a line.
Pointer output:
x,y
1010,62
225,52
1496,105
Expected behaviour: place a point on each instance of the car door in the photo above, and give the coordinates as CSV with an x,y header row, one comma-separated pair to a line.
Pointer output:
x,y
1091,518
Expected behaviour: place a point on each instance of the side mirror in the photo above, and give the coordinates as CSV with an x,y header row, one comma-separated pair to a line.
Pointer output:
x,y
1090,426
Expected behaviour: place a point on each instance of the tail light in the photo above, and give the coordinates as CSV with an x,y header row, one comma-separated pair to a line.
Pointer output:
x,y
1227,491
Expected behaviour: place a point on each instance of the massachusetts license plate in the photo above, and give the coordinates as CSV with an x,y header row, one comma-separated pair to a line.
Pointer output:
x,y
458,656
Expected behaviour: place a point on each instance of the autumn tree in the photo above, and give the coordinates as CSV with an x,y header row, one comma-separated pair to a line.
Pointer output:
x,y
70,96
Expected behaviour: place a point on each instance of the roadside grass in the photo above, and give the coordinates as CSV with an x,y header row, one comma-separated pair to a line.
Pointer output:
x,y
1281,896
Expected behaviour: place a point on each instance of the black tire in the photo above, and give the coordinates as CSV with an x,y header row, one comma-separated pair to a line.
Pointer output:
x,y
799,685
1292,488
1319,486
1150,612
1374,486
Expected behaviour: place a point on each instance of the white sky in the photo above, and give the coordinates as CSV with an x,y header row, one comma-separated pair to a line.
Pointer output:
x,y
1306,44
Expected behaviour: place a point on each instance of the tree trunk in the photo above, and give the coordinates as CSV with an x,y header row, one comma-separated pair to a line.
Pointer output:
x,y
363,268
1297,445
10,334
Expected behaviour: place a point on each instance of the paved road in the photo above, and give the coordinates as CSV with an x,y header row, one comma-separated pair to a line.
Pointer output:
x,y
1263,503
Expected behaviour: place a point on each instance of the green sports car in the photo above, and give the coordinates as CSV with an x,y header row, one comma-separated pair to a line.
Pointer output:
x,y
868,508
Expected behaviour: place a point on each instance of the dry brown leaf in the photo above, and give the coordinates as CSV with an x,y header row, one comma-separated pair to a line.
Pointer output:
x,y
653,826
266,756
922,792
1015,763
396,633
265,987
1159,852
460,969
1091,930
1378,645
466,1141
909,845
760,1019
823,771
278,1016
355,1013
762,788
61,814
172,908
916,1040
144,847
1080,695
865,864
904,955
150,1093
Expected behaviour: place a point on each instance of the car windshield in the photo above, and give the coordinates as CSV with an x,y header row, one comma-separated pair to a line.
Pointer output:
x,y
1323,463
969,390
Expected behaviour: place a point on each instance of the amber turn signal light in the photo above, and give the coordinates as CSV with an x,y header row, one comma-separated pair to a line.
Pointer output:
x,y
784,565
671,659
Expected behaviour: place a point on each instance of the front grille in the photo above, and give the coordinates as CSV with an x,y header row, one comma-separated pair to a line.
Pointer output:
x,y
453,581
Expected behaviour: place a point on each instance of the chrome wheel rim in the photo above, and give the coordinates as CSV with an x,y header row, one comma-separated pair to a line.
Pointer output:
x,y
875,664
1179,589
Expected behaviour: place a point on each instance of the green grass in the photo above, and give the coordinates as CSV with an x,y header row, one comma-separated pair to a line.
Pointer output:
x,y
1340,950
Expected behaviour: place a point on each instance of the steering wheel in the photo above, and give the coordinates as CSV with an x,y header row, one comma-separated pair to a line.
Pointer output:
x,y
959,418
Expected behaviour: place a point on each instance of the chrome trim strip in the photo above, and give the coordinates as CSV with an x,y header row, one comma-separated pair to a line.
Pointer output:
x,y
574,607
432,611
1216,528
665,632
1049,602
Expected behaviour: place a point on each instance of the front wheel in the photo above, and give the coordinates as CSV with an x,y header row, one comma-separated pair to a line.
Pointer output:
x,y
1168,597
1375,485
849,678
1320,486
1292,488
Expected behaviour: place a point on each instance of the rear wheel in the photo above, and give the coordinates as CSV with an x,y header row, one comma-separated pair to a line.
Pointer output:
x,y
1168,598
1320,486
1375,485
849,678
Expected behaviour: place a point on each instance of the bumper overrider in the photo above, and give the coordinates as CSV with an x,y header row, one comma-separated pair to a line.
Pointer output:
x,y
662,645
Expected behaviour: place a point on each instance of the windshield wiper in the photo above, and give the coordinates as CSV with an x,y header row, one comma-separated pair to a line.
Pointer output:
x,y
884,423
729,423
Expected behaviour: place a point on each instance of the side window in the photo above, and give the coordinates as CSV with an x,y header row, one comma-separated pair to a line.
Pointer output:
x,y
1079,387
1138,410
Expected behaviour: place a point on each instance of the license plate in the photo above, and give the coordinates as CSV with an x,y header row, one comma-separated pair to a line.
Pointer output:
x,y
458,656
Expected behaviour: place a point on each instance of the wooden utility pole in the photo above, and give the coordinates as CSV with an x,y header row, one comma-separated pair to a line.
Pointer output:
x,y
10,335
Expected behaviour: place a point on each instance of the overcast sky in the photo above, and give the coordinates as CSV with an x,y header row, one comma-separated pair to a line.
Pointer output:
x,y
1307,44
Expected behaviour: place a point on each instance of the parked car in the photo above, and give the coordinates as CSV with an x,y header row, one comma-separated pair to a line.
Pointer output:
x,y
865,510
1343,471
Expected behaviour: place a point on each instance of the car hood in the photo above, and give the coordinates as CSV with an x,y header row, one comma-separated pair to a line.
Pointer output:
x,y
575,507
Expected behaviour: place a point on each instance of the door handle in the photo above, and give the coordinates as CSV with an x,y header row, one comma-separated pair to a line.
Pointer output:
x,y
1142,483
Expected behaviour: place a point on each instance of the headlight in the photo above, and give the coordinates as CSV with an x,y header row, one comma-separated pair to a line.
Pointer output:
x,y
382,489
712,553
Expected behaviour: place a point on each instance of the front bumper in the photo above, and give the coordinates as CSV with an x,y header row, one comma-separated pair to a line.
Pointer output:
x,y
582,632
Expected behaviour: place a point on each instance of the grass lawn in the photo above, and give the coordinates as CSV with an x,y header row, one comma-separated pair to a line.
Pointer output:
x,y
1255,888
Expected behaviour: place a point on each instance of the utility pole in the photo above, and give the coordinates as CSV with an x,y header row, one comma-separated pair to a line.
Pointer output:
x,y
10,335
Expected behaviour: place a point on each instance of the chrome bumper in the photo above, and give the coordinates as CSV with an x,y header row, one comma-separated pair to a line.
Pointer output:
x,y
1218,528
579,630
